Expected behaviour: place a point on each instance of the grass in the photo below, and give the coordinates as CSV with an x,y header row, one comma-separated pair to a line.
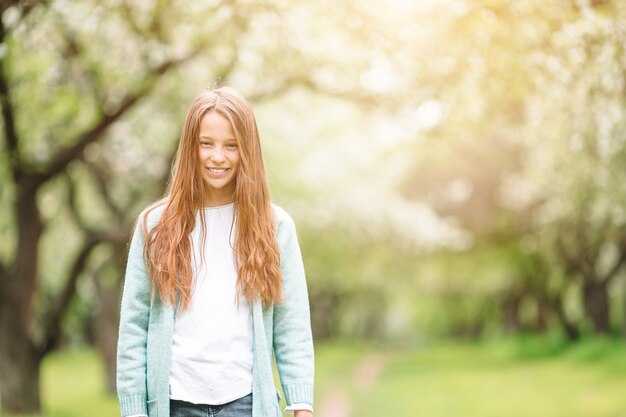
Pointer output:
x,y
73,386
500,379
513,378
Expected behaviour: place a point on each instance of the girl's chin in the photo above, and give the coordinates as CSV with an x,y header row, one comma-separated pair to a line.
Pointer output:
x,y
226,186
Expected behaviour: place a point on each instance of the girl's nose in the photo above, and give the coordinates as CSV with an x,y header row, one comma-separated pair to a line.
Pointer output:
x,y
217,155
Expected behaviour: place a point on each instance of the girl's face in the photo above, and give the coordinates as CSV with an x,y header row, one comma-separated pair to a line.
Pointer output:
x,y
219,157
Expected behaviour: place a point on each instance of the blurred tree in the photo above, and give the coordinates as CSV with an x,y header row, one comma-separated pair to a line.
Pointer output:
x,y
77,102
95,146
529,154
576,125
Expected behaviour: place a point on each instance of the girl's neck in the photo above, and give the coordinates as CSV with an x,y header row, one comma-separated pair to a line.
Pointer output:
x,y
215,201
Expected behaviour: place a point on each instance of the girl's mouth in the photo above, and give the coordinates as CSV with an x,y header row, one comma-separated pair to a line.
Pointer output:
x,y
217,172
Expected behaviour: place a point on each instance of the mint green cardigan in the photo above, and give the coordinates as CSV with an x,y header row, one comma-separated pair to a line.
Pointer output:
x,y
145,335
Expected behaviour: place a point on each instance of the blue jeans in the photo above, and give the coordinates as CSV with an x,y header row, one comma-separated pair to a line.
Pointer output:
x,y
241,407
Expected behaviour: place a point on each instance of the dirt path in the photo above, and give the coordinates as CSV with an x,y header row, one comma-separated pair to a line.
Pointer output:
x,y
336,404
368,372
366,375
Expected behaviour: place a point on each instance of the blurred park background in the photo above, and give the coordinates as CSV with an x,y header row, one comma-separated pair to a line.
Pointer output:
x,y
456,170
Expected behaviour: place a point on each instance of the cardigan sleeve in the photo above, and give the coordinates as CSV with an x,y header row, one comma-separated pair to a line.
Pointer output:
x,y
133,331
292,338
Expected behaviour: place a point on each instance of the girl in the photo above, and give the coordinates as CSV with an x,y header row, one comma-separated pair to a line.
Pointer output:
x,y
215,283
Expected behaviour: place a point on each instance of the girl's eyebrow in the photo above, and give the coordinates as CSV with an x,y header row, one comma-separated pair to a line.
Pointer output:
x,y
210,137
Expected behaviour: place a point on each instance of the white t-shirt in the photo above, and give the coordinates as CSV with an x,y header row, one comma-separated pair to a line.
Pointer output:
x,y
212,340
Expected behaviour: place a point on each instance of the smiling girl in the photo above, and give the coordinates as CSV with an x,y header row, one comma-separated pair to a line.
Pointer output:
x,y
215,285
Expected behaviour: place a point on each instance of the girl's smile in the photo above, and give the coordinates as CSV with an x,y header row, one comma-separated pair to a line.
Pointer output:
x,y
217,172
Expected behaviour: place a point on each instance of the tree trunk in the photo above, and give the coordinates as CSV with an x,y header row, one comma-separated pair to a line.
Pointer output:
x,y
596,301
624,308
323,311
543,315
107,319
510,313
106,337
570,329
19,357
19,372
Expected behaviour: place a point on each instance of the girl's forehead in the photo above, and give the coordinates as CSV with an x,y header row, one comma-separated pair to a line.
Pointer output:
x,y
216,126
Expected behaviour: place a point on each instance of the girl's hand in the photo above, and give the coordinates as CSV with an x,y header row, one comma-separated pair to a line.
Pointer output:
x,y
302,413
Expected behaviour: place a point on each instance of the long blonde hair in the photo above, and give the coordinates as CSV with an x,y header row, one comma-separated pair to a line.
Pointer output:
x,y
168,244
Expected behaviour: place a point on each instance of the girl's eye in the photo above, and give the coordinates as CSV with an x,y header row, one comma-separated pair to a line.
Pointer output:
x,y
231,146
204,144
